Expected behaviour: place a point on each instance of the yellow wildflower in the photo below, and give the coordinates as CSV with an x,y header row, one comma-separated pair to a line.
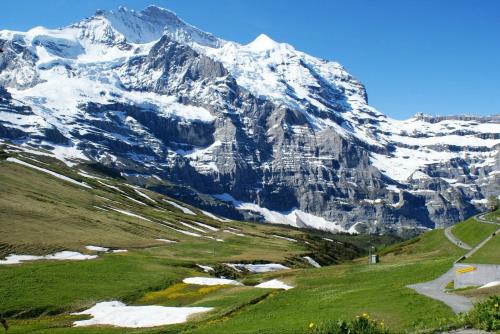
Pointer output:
x,y
311,325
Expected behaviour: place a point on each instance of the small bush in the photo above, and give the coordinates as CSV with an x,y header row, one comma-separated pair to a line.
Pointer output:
x,y
361,325
485,315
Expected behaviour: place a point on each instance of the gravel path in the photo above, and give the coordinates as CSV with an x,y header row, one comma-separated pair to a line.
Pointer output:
x,y
454,240
435,290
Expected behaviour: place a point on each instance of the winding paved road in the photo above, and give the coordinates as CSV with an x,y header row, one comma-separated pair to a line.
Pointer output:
x,y
435,290
455,240
480,217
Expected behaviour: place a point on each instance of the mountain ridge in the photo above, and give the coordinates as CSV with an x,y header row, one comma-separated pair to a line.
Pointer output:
x,y
272,127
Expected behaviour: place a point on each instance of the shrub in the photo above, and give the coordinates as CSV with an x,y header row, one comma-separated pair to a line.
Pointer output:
x,y
485,315
360,325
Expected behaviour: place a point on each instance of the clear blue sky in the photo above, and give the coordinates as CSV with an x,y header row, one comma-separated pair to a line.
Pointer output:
x,y
431,56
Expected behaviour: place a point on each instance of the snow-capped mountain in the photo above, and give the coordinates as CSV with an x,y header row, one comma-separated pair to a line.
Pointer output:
x,y
284,136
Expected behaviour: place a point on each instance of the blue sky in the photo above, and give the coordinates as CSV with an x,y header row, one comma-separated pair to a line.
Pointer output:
x,y
432,56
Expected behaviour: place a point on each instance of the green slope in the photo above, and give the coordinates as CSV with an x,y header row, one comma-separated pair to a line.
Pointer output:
x,y
488,254
473,232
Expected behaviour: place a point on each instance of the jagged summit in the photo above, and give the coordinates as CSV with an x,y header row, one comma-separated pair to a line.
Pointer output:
x,y
150,24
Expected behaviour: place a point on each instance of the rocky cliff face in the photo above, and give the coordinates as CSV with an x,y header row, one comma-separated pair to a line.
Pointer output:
x,y
282,136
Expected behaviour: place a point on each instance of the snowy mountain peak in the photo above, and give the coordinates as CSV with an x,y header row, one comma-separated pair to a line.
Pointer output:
x,y
148,25
263,43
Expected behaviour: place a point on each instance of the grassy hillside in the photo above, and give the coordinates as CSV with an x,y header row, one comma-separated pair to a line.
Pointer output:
x,y
473,232
41,214
488,254
336,292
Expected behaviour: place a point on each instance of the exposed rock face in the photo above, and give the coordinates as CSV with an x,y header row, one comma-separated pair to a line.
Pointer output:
x,y
273,127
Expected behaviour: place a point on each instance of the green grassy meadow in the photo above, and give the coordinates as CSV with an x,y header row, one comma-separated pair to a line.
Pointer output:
x,y
488,254
473,232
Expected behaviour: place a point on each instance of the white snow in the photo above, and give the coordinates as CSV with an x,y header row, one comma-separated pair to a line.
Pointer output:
x,y
180,207
140,193
483,201
257,268
191,234
205,268
208,227
131,214
84,174
312,262
294,217
284,238
235,233
116,313
211,215
134,200
57,175
166,241
274,284
97,248
192,227
352,229
210,281
119,251
64,255
111,187
490,284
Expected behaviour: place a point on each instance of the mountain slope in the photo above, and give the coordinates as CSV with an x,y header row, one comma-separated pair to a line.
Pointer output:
x,y
281,135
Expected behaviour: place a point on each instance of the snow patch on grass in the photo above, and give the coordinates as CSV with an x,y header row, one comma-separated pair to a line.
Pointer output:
x,y
257,268
57,175
211,215
64,255
205,268
129,214
167,241
180,207
312,262
210,281
192,227
274,284
97,248
235,233
284,238
208,227
116,313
